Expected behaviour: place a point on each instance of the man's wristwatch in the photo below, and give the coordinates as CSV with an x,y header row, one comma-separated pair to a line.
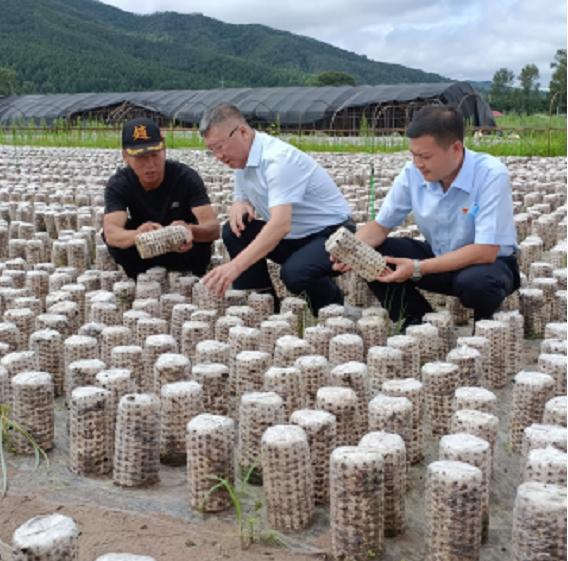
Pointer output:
x,y
416,274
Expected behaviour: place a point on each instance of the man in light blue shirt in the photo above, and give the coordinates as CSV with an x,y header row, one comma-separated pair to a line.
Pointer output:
x,y
461,202
285,206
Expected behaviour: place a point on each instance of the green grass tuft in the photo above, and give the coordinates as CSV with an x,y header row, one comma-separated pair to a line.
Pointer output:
x,y
8,427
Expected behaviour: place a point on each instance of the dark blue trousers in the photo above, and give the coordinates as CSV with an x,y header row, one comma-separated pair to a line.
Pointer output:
x,y
480,287
305,264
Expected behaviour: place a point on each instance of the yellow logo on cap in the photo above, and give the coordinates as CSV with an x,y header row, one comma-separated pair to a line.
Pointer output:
x,y
140,133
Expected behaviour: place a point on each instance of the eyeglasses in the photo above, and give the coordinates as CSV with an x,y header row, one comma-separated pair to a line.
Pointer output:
x,y
221,145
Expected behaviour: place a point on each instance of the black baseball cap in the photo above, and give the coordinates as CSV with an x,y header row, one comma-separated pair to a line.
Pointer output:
x,y
140,136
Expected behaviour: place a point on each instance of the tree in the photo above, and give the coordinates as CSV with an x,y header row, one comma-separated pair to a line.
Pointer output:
x,y
528,78
500,93
529,88
558,81
8,80
333,79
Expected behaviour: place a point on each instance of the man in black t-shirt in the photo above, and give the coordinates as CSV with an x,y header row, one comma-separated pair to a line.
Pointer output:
x,y
152,192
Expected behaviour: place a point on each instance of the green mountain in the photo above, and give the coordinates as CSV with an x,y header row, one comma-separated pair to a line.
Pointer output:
x,y
87,46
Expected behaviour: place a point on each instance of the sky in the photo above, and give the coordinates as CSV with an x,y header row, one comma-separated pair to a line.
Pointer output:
x,y
459,39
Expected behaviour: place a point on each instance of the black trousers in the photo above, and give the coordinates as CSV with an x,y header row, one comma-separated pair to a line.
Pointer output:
x,y
480,287
306,266
195,260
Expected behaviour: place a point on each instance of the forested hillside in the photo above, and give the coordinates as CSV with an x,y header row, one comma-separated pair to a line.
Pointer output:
x,y
85,45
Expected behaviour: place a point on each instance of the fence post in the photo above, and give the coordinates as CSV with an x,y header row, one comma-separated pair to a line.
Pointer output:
x,y
550,122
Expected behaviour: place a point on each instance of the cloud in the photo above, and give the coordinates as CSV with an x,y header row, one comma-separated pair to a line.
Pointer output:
x,y
461,39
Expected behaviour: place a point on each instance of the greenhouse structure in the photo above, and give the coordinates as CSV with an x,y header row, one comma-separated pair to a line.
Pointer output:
x,y
337,109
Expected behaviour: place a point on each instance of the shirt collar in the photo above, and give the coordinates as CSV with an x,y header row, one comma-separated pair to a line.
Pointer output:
x,y
255,151
464,178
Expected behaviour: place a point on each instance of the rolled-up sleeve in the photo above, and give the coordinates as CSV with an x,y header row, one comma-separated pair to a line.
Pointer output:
x,y
494,220
397,204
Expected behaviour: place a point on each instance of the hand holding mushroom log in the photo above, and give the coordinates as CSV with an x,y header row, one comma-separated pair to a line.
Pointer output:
x,y
346,249
403,270
163,240
188,244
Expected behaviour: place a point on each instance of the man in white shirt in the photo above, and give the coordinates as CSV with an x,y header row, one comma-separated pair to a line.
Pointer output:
x,y
285,206
462,203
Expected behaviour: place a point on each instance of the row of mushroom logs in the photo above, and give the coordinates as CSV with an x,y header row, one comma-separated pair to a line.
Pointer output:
x,y
139,414
345,365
